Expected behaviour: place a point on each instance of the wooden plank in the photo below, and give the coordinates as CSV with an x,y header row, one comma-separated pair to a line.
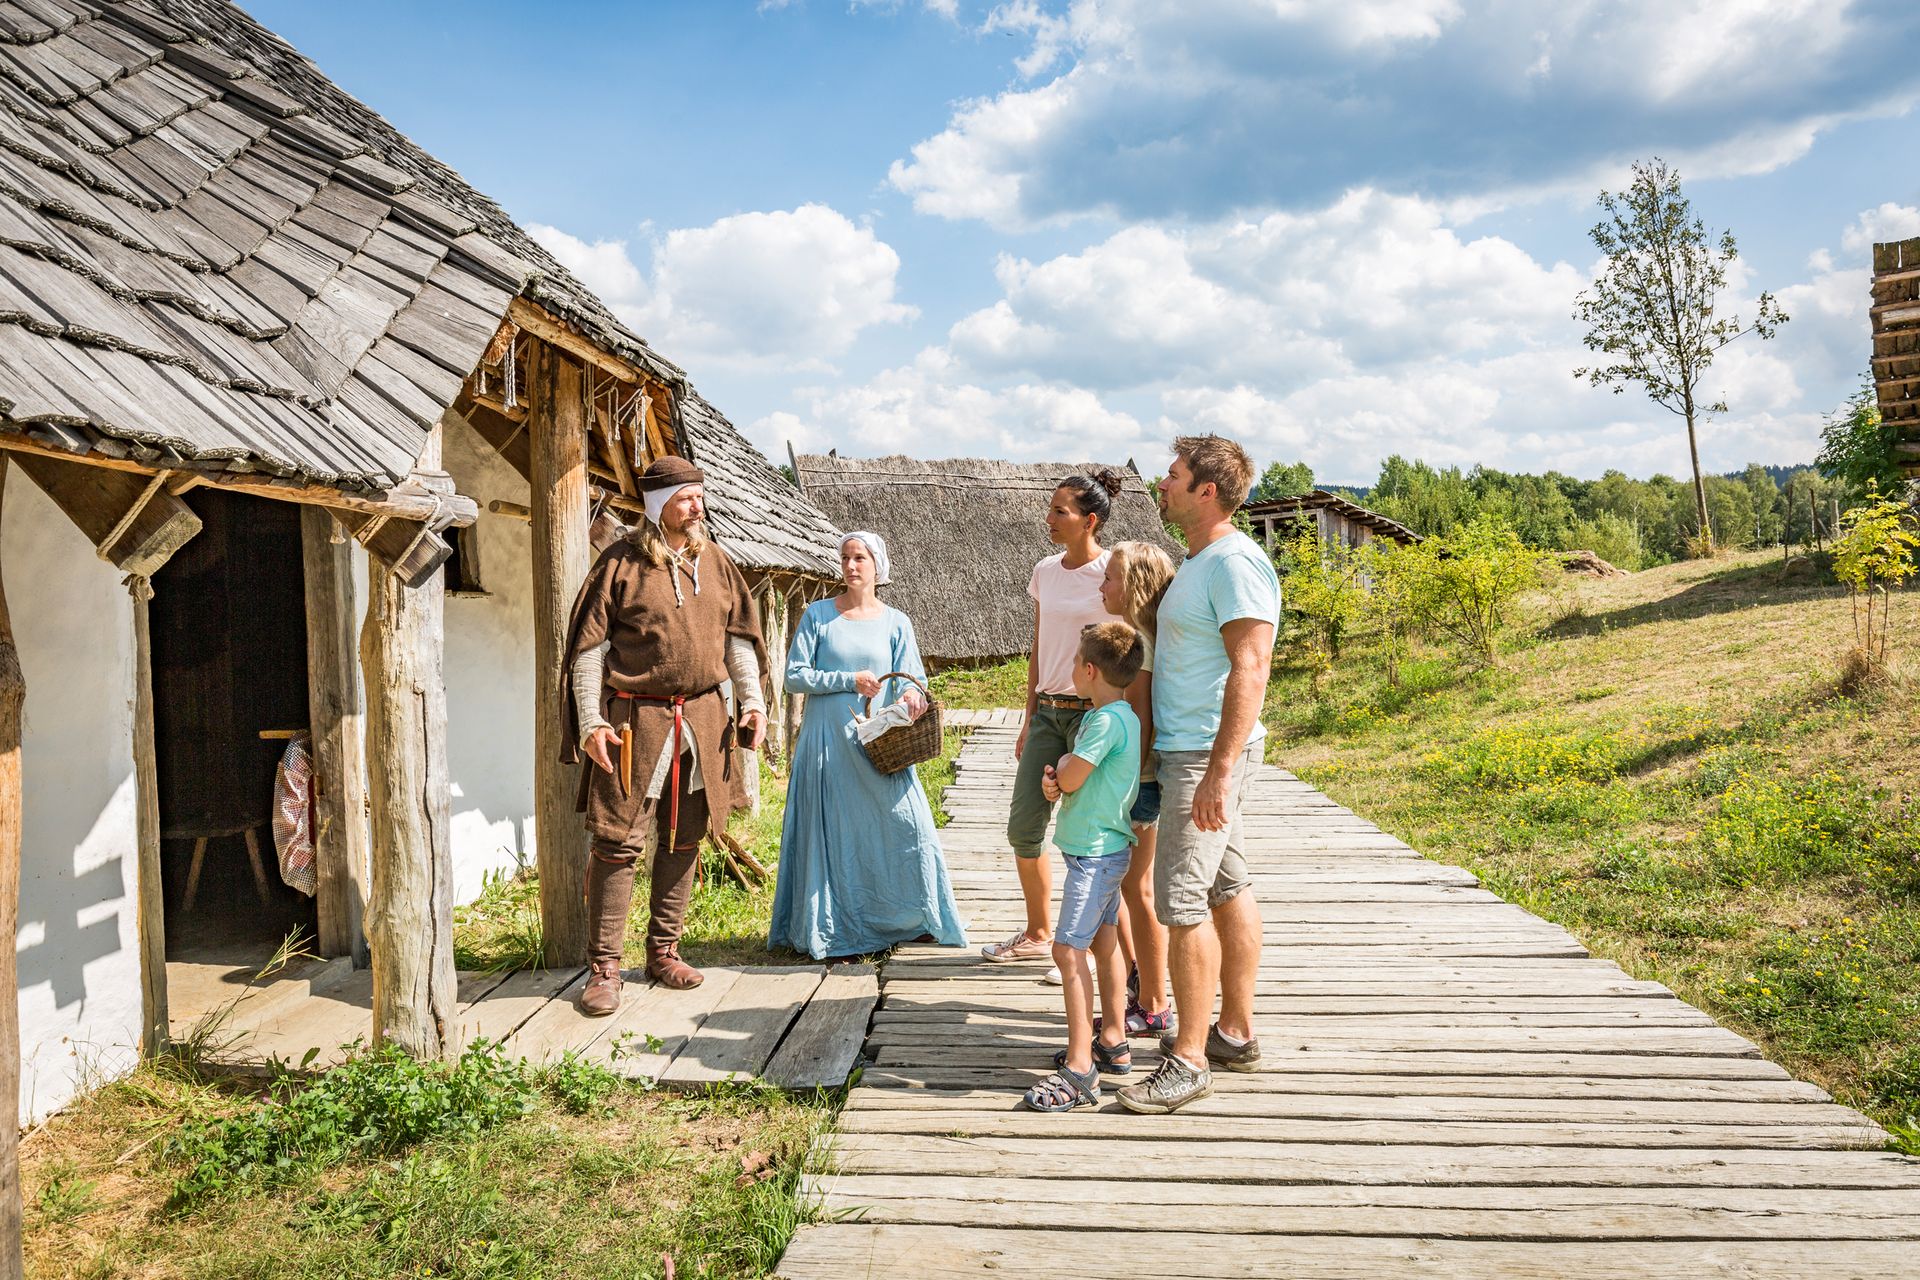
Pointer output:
x,y
501,1012
671,1024
857,1251
739,1036
13,696
150,895
820,1050
559,1027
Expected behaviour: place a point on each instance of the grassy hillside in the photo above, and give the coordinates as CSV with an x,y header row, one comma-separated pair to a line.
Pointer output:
x,y
1670,769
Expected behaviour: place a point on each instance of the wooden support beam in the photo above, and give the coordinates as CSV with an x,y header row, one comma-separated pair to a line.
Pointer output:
x,y
508,438
405,549
615,452
558,433
553,331
339,744
13,696
773,622
410,904
155,1023
398,503
131,520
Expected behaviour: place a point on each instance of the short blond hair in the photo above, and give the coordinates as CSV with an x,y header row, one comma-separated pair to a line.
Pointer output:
x,y
1217,461
1115,650
1145,573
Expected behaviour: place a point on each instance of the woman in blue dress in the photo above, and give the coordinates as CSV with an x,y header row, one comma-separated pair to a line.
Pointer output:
x,y
860,860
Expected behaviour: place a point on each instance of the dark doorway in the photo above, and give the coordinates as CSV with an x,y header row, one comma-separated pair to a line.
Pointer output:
x,y
229,663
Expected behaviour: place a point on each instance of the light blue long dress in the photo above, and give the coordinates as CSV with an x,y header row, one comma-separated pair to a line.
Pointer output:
x,y
860,860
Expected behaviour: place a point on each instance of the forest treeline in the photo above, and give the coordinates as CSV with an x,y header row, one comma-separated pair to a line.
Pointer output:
x,y
1633,523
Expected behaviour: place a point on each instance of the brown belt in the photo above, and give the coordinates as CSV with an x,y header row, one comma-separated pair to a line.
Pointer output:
x,y
678,702
1064,701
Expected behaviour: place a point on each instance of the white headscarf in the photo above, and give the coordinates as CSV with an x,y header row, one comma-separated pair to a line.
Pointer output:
x,y
656,500
877,548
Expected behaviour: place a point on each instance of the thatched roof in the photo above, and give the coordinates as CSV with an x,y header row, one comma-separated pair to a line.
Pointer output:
x,y
212,256
963,535
1282,510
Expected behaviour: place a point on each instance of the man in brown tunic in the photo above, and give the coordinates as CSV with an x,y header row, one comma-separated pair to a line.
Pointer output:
x,y
664,622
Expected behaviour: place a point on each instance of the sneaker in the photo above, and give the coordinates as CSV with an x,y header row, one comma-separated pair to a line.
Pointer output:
x,y
1219,1053
1018,947
1053,978
1172,1086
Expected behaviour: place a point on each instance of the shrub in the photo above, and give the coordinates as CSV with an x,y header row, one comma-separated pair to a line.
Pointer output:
x,y
376,1103
1874,553
1466,586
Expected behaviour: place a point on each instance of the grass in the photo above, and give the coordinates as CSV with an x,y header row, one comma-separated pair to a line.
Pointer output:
x,y
1667,767
569,1176
982,688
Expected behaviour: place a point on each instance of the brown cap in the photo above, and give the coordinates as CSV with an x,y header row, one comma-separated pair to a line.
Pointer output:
x,y
669,472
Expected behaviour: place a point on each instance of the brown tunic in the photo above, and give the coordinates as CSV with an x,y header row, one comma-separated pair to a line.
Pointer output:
x,y
658,646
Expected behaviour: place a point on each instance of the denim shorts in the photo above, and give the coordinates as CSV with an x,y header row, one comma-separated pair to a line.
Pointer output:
x,y
1090,898
1146,805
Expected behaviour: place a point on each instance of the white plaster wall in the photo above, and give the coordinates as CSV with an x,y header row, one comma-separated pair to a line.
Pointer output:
x,y
77,944
489,670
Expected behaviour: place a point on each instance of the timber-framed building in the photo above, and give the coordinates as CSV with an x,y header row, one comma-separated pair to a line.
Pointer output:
x,y
297,432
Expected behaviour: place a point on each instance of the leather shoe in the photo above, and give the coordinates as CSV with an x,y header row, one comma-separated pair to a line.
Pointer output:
x,y
601,996
666,967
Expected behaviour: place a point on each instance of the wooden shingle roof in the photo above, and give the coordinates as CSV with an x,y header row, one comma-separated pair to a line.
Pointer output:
x,y
210,254
208,251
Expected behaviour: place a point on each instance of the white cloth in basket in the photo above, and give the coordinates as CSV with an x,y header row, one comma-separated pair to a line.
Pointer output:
x,y
894,714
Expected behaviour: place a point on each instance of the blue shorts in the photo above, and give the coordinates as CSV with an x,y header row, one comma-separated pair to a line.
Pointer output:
x,y
1146,806
1090,898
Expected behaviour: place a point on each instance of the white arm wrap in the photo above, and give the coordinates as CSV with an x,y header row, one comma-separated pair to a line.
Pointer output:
x,y
589,674
744,667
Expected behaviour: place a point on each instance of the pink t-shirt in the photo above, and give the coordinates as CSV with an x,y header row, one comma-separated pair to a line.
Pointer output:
x,y
1069,599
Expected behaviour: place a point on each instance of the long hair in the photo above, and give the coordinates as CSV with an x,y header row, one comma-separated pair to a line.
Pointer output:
x,y
646,535
1145,573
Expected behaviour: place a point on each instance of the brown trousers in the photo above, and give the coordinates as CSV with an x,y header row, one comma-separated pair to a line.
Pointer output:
x,y
611,867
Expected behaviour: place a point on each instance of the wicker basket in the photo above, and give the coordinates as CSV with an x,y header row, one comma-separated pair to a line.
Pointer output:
x,y
906,745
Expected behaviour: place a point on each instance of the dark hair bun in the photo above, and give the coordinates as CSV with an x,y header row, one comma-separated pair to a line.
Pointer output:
x,y
1110,480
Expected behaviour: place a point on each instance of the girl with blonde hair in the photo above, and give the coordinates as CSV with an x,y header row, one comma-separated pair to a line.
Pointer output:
x,y
1137,575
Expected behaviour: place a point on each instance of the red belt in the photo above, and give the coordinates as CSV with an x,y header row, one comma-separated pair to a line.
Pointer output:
x,y
678,702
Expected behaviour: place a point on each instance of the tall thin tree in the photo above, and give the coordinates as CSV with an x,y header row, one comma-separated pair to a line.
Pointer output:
x,y
1652,314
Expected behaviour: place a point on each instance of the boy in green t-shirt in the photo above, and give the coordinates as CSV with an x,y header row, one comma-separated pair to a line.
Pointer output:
x,y
1099,779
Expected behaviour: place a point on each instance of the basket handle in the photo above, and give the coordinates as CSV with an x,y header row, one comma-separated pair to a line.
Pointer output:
x,y
902,675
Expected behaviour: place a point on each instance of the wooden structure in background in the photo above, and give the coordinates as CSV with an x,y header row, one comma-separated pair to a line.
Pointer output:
x,y
1333,518
1896,345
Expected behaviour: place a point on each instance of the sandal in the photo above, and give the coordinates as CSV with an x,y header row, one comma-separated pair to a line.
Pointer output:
x,y
1064,1090
1140,1022
1114,1060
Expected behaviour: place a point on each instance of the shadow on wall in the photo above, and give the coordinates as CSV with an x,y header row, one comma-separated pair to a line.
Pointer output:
x,y
71,908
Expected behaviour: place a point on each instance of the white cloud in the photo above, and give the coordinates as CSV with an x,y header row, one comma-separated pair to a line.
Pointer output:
x,y
1889,221
1370,327
1213,106
787,289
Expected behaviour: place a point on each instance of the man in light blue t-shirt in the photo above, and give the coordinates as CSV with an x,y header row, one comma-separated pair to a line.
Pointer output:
x,y
1212,656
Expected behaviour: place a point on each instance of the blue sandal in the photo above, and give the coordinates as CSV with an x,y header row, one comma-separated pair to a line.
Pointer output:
x,y
1064,1090
1114,1061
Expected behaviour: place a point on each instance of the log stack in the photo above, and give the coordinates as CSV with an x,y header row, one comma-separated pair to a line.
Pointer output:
x,y
1896,344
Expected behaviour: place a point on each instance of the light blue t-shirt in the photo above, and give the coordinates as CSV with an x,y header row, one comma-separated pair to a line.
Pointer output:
x,y
1229,580
1095,820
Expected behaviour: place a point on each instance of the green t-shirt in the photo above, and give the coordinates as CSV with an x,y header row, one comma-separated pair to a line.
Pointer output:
x,y
1094,821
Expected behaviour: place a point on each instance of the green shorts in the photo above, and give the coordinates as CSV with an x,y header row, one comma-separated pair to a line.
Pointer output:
x,y
1049,736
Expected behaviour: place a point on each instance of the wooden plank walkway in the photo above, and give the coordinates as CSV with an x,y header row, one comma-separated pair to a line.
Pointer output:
x,y
1450,1087
794,1026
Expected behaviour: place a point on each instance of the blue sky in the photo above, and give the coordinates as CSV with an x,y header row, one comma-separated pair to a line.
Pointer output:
x,y
1051,230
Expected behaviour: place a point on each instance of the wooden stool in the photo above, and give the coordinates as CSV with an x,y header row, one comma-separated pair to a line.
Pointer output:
x,y
200,838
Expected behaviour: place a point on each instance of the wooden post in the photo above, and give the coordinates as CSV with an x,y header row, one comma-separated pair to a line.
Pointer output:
x,y
338,729
155,1025
13,694
773,622
557,434
796,702
410,906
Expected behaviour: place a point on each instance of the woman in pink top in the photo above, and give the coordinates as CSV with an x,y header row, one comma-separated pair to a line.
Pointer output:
x,y
1066,597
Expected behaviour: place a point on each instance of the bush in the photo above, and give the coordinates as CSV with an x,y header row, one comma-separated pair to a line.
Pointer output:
x,y
376,1103
1466,586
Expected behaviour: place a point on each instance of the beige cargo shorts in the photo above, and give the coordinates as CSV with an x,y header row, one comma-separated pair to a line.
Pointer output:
x,y
1195,871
